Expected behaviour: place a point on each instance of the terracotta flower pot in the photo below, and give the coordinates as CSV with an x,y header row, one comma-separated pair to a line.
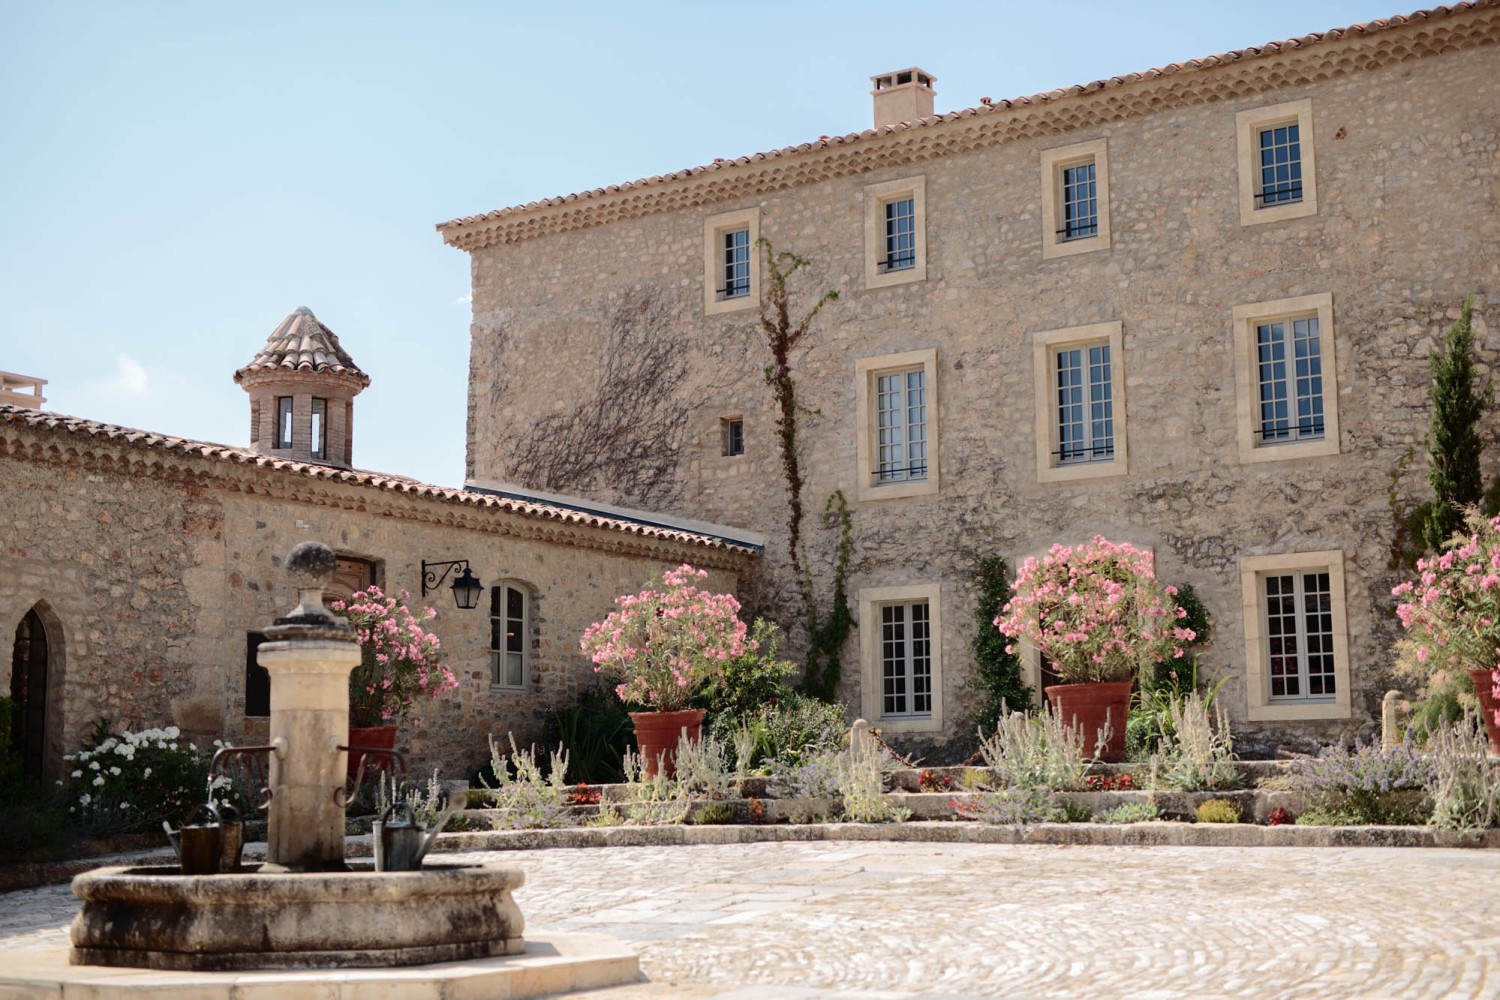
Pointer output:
x,y
1088,706
1484,687
657,735
374,737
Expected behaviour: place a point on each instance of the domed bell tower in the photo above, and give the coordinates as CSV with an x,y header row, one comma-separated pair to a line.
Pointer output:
x,y
302,386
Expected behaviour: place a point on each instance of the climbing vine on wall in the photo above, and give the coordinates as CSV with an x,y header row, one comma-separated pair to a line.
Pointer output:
x,y
827,630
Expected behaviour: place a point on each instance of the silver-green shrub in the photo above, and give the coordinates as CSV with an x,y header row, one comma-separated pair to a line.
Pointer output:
x,y
1196,751
527,800
1034,751
1463,785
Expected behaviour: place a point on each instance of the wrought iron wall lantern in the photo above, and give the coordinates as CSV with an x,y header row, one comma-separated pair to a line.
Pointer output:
x,y
466,586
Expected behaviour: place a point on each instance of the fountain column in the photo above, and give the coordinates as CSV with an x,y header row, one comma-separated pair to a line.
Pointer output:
x,y
309,656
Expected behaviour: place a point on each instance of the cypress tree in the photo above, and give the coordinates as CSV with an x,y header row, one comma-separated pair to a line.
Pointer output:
x,y
1453,440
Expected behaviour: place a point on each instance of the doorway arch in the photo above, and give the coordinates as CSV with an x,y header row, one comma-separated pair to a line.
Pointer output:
x,y
30,664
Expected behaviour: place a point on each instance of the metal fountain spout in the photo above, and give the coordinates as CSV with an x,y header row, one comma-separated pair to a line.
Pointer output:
x,y
309,655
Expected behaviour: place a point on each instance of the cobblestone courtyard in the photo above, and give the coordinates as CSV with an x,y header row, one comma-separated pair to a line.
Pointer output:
x,y
892,920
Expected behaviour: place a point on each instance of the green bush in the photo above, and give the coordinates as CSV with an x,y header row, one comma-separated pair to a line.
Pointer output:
x,y
594,732
781,733
1128,812
1218,811
130,782
995,681
756,678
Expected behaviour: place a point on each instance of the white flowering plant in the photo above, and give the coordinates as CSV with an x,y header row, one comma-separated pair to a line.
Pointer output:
x,y
129,782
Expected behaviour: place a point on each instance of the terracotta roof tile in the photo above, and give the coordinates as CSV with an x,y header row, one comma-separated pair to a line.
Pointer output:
x,y
827,142
78,427
302,344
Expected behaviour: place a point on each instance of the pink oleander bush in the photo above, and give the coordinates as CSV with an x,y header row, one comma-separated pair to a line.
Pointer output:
x,y
1451,612
1096,610
664,643
400,661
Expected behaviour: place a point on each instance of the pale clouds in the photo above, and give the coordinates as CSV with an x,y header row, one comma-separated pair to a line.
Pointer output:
x,y
129,378
465,300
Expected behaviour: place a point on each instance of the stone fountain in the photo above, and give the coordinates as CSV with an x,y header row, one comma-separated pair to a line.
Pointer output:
x,y
305,908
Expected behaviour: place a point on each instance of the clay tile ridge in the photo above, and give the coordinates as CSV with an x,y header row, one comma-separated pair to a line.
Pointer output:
x,y
78,427
825,142
302,344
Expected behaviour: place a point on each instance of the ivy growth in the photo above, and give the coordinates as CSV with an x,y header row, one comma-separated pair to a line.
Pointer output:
x,y
827,634
996,680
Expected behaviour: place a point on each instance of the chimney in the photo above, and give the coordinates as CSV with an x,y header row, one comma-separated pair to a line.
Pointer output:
x,y
902,96
21,390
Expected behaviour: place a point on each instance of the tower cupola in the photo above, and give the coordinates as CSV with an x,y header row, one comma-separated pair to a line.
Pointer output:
x,y
302,386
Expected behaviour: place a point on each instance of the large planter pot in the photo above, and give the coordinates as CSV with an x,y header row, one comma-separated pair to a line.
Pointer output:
x,y
657,735
1087,707
1484,687
374,738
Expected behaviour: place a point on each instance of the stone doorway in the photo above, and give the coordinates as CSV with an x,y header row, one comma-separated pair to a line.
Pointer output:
x,y
28,689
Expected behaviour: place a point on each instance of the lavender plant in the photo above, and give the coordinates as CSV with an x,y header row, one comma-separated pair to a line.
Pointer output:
x,y
1013,806
1363,783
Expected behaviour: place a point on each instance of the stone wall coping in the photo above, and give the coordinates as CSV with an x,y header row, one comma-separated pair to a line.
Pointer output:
x,y
43,437
1243,72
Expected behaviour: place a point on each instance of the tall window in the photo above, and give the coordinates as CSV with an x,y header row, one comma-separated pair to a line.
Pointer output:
x,y
508,636
732,436
1280,165
1289,374
1299,636
319,428
736,264
1080,202
905,660
257,678
901,426
1085,404
900,235
283,421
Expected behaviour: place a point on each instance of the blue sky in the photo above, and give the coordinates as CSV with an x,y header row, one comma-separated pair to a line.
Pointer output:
x,y
176,178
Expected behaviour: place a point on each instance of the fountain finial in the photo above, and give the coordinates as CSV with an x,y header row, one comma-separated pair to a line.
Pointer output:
x,y
310,566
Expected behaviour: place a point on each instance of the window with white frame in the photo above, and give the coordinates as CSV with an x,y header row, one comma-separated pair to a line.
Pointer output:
x,y
897,418
895,238
1296,636
905,660
1278,178
1075,198
1080,406
731,276
732,436
901,643
1286,377
510,634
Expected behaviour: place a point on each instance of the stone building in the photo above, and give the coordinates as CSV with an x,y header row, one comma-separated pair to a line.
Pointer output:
x,y
137,568
1188,307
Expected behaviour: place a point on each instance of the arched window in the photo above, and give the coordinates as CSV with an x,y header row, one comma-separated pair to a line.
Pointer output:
x,y
510,635
28,689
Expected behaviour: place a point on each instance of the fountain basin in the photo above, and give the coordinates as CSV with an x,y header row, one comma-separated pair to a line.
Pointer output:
x,y
157,918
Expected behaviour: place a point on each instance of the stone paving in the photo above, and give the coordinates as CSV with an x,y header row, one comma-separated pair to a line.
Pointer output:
x,y
897,920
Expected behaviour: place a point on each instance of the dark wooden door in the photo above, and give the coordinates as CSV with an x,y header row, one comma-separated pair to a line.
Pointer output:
x,y
28,688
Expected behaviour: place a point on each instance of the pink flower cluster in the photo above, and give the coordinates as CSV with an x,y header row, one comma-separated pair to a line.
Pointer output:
x,y
1096,611
399,661
1451,612
664,642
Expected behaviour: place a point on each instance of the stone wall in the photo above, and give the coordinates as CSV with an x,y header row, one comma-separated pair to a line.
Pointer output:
x,y
1408,179
148,580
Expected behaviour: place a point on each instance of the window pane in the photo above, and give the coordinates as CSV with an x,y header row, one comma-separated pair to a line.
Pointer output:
x,y
1280,166
893,658
900,235
736,264
1080,202
1085,405
901,426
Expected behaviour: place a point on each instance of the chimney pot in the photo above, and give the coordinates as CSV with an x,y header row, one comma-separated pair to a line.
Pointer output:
x,y
903,95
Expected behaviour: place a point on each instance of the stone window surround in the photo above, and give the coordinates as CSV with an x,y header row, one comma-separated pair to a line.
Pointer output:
x,y
1260,707
876,197
870,600
725,435
528,631
1053,163
1044,346
1248,126
865,372
714,228
1247,402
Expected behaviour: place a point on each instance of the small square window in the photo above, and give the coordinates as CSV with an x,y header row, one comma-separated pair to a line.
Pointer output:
x,y
895,238
1278,179
732,436
1075,199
